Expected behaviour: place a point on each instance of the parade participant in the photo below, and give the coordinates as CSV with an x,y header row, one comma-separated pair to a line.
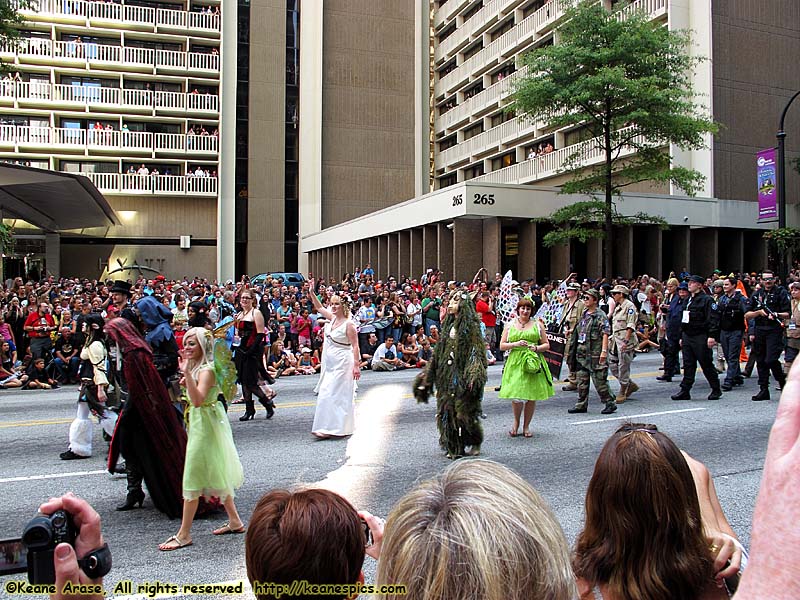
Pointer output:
x,y
156,318
622,343
149,434
717,292
589,355
118,304
672,339
768,307
212,466
793,330
699,332
732,306
92,396
458,371
526,375
336,389
573,309
249,357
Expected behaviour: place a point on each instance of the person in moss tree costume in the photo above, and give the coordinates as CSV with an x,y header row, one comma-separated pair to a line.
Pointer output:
x,y
458,372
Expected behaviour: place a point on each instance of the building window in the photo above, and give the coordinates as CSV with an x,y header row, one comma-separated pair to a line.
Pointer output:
x,y
473,131
447,142
473,50
503,28
473,171
506,160
447,180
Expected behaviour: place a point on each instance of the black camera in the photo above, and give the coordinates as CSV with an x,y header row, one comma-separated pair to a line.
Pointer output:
x,y
40,537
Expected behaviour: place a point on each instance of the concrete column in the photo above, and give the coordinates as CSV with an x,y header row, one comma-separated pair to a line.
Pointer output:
x,y
526,262
445,251
594,258
52,254
391,267
422,91
653,249
559,261
623,252
416,266
372,254
467,239
430,247
404,254
310,113
705,250
681,246
226,203
382,268
348,257
362,248
492,246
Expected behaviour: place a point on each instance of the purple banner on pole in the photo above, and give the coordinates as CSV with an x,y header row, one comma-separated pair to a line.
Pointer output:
x,y
766,171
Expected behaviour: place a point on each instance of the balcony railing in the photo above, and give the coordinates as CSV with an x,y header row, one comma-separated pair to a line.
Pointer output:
x,y
471,26
549,165
121,56
479,102
524,31
107,139
82,97
124,183
129,16
504,134
446,12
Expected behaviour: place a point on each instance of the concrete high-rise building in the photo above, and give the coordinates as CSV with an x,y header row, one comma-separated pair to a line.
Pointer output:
x,y
480,174
129,95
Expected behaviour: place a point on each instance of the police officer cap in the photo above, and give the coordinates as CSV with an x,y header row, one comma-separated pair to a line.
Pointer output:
x,y
574,287
683,286
697,279
620,289
593,293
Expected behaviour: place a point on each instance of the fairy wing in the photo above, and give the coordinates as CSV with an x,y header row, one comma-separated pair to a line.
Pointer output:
x,y
224,369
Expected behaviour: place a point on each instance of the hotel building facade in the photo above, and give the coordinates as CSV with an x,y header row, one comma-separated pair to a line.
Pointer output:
x,y
477,186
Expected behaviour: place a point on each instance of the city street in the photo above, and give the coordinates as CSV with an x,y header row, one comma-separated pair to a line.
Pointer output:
x,y
395,445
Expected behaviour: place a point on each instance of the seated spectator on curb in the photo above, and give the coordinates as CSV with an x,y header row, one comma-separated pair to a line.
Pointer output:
x,y
38,379
478,530
652,532
67,359
279,362
425,353
313,535
306,363
433,336
368,350
409,350
385,357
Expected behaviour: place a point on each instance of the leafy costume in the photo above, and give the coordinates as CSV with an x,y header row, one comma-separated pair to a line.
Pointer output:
x,y
458,372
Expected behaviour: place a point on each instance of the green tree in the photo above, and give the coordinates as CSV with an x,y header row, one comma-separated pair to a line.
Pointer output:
x,y
10,21
626,82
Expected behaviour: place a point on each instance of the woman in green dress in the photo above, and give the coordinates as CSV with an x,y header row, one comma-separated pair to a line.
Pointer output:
x,y
212,466
526,341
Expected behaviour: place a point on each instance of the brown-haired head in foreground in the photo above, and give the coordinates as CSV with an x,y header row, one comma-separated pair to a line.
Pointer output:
x,y
525,302
313,535
478,531
643,536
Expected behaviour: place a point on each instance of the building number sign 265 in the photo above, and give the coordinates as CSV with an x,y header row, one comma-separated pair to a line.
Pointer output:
x,y
485,199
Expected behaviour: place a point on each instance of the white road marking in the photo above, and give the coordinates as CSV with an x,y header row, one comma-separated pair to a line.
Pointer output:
x,y
632,417
51,476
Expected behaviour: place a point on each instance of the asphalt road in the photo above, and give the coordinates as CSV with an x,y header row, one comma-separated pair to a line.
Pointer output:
x,y
395,445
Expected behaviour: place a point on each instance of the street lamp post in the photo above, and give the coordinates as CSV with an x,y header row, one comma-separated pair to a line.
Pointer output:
x,y
781,135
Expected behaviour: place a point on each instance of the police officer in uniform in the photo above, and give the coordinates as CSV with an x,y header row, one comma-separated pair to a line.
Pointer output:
x,y
573,308
732,306
768,307
622,346
672,340
699,334
589,354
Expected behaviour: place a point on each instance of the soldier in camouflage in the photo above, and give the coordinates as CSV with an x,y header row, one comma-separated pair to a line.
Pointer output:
x,y
588,356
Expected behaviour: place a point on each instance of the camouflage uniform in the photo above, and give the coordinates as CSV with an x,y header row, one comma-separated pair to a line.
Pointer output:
x,y
587,344
625,317
570,317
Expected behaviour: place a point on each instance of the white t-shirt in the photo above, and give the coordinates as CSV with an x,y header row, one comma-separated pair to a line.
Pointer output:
x,y
382,351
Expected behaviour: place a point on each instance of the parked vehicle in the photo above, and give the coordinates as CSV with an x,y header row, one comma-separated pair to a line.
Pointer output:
x,y
287,278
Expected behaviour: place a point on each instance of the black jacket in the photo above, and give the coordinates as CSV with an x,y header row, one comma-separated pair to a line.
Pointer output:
x,y
703,316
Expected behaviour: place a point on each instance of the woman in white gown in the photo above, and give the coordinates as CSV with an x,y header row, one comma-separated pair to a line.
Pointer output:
x,y
335,414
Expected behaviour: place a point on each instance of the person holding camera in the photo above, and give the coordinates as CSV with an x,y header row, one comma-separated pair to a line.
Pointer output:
x,y
39,325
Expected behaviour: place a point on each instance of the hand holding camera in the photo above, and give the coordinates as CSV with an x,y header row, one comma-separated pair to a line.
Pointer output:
x,y
68,528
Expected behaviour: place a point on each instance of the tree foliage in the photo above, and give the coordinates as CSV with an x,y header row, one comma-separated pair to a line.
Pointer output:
x,y
6,238
10,20
627,83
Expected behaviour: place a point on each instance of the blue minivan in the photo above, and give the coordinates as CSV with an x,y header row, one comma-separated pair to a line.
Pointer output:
x,y
296,279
